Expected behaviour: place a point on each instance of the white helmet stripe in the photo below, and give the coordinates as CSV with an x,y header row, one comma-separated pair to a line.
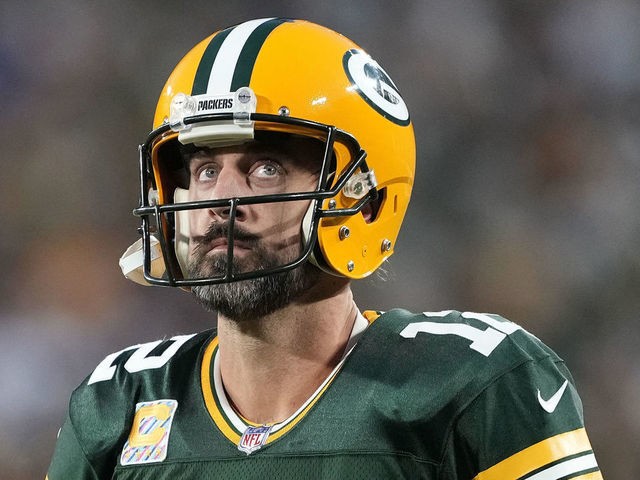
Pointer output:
x,y
227,58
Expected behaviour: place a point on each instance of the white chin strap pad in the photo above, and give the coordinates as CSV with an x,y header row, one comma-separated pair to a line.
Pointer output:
x,y
132,261
306,236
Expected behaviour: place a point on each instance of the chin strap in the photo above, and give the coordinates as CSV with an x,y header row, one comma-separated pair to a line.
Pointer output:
x,y
306,235
132,260
183,233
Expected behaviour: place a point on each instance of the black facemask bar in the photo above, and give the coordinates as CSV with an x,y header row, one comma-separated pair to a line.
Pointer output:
x,y
171,277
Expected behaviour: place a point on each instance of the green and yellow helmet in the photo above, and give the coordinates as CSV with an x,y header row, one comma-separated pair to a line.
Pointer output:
x,y
290,76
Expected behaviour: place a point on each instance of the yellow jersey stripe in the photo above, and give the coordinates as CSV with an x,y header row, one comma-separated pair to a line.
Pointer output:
x,y
370,315
538,455
209,400
568,467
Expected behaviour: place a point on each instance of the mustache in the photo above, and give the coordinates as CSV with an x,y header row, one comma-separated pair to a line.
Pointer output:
x,y
221,230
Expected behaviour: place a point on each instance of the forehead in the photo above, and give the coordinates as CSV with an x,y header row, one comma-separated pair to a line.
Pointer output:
x,y
303,151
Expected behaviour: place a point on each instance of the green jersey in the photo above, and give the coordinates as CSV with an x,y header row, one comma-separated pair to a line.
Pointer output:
x,y
439,395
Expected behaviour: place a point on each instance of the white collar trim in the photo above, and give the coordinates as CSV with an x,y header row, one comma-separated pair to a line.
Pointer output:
x,y
359,326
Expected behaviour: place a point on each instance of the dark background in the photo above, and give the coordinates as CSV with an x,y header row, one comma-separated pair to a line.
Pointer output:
x,y
525,204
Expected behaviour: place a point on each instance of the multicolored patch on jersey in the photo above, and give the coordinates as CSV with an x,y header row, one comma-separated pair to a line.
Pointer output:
x,y
149,437
253,438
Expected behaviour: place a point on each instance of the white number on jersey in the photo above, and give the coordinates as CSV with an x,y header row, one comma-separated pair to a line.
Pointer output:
x,y
483,341
140,360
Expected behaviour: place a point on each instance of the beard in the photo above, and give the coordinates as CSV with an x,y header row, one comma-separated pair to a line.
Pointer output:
x,y
247,299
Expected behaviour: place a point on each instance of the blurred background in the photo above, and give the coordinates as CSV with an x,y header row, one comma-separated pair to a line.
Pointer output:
x,y
526,203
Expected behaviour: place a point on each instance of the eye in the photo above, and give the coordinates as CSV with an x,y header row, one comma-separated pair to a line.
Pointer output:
x,y
267,170
206,174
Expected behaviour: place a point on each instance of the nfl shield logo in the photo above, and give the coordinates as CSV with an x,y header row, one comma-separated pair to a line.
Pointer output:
x,y
253,438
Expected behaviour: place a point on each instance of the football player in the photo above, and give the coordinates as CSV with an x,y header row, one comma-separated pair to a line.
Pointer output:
x,y
279,168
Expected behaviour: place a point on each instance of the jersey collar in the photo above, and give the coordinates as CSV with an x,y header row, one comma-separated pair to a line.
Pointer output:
x,y
229,422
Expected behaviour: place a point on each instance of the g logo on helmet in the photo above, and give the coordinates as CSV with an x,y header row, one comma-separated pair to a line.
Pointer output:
x,y
375,86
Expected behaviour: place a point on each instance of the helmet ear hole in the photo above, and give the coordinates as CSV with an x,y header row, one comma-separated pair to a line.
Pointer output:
x,y
372,209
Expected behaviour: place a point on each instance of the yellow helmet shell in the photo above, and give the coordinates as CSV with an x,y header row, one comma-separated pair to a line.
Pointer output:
x,y
309,72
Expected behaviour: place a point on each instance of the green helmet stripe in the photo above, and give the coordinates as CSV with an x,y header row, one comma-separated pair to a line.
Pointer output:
x,y
249,53
201,80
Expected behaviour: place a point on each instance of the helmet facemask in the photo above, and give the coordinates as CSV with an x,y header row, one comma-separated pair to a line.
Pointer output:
x,y
168,212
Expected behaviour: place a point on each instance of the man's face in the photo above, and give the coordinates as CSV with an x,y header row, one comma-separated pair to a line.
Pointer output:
x,y
265,235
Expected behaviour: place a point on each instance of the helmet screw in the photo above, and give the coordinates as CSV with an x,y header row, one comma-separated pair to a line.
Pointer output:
x,y
386,245
283,111
344,232
332,204
350,266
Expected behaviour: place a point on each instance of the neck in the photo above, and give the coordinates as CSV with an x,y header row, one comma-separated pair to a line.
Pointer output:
x,y
271,365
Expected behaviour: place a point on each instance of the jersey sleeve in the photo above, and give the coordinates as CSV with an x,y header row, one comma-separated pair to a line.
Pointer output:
x,y
102,409
528,423
69,460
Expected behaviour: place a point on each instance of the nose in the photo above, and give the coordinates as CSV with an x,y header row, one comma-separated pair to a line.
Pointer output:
x,y
231,183
223,214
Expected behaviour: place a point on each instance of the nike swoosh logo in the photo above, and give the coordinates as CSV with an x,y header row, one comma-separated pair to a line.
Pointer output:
x,y
551,404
